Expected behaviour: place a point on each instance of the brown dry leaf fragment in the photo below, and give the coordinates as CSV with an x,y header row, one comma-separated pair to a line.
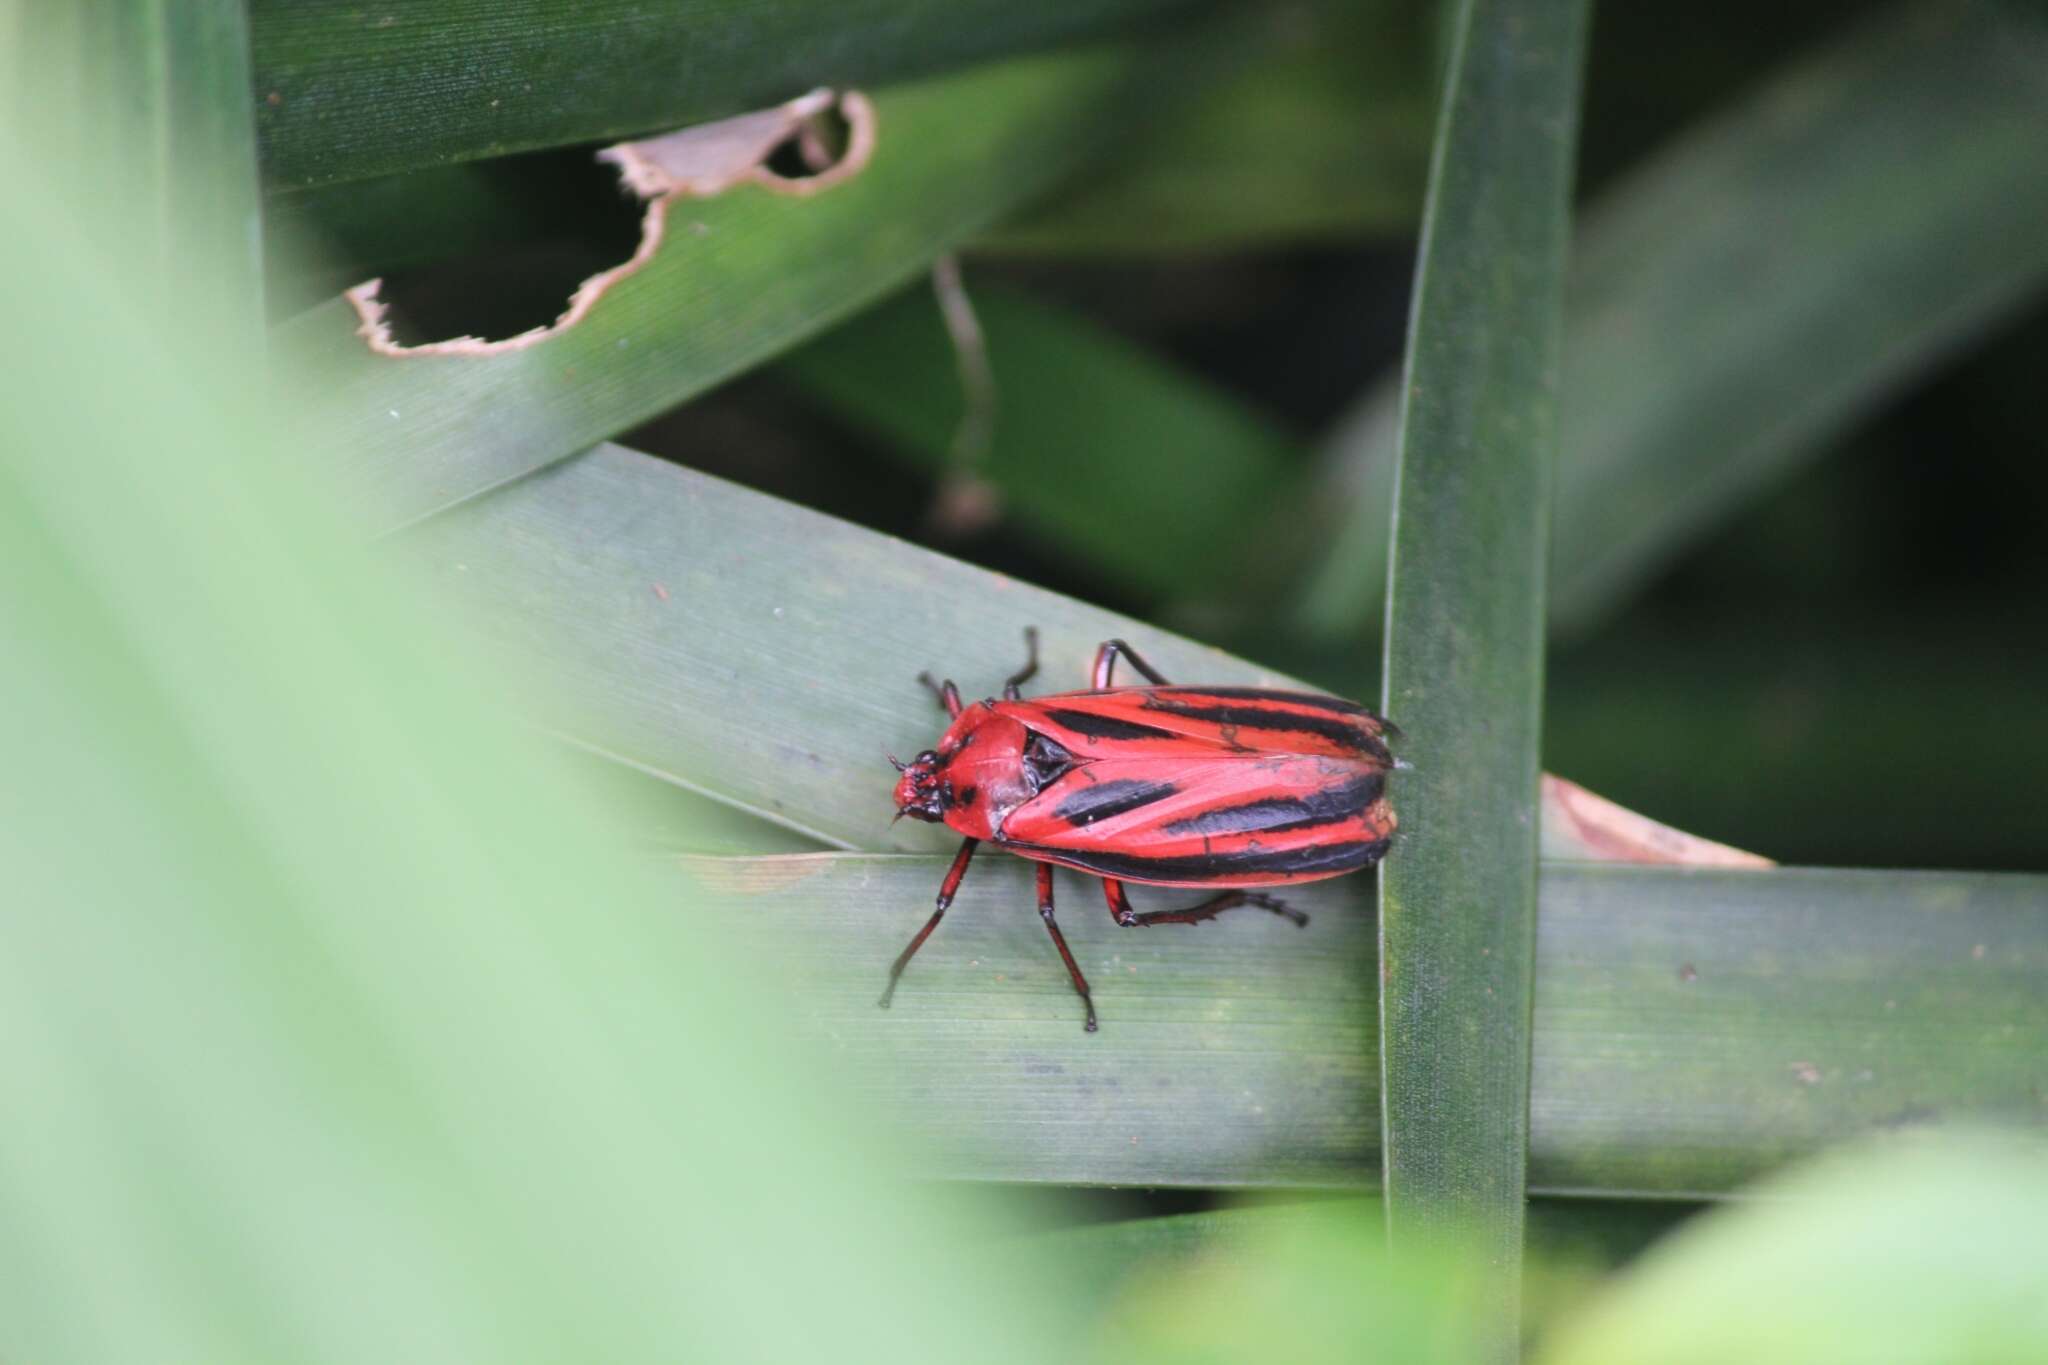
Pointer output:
x,y
712,158
690,163
967,502
965,505
1579,826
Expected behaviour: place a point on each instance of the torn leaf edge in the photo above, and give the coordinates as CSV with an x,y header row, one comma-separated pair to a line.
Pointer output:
x,y
752,137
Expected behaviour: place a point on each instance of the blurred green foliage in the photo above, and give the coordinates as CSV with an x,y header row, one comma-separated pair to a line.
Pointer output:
x,y
1909,1255
1904,1253
336,1027
345,1016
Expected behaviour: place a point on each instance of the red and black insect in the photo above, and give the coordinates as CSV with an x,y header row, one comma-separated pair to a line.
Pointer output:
x,y
1234,787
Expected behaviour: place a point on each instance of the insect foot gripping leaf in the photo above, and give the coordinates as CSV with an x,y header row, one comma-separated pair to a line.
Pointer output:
x,y
1228,787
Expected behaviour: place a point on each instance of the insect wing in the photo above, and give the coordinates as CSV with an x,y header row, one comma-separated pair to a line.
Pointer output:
x,y
1150,722
1220,818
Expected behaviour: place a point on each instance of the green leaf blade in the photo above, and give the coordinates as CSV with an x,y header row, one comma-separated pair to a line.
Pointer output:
x,y
1904,1252
1692,1031
779,667
335,1027
1879,206
1464,655
172,188
787,642
1878,200
346,92
755,651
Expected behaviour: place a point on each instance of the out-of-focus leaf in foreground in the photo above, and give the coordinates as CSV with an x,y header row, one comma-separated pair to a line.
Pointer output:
x,y
1309,1279
1913,1255
174,181
1919,1253
327,1028
1320,1287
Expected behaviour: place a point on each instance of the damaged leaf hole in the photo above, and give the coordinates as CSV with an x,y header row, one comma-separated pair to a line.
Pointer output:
x,y
566,217
585,221
820,142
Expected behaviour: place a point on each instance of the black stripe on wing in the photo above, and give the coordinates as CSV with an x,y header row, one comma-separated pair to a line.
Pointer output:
x,y
1104,727
1261,719
1278,814
1100,800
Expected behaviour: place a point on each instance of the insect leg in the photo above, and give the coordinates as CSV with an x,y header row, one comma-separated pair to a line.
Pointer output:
x,y
1105,665
1120,908
1059,941
1014,684
1119,902
946,890
948,695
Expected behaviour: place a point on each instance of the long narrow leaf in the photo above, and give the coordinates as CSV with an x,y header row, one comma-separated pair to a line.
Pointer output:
x,y
1881,204
347,92
1693,1029
172,189
766,655
758,652
1464,650
333,1027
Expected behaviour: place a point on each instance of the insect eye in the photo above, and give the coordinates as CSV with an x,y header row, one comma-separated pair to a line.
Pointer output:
x,y
927,758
